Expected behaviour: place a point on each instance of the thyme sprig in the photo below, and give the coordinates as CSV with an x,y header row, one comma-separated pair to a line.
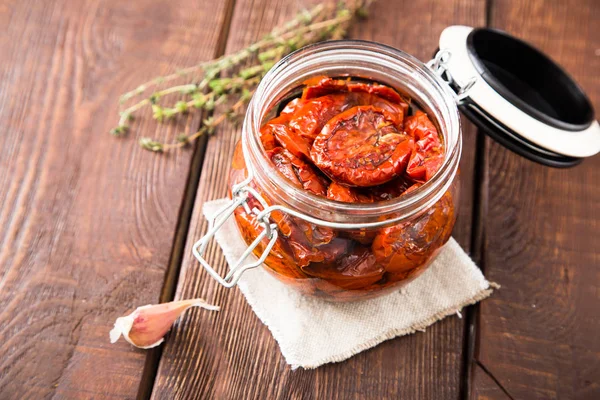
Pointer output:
x,y
208,128
234,77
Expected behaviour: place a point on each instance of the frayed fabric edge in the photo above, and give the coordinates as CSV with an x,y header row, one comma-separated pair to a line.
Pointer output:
x,y
483,294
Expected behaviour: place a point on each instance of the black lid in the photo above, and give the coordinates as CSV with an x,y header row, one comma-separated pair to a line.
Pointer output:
x,y
521,98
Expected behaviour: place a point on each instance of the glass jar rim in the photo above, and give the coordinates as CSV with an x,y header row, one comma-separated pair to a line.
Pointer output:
x,y
310,61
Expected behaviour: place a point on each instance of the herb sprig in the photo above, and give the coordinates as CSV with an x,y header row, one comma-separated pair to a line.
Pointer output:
x,y
235,76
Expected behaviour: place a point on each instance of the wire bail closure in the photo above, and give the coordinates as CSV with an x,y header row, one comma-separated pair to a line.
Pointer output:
x,y
439,66
240,194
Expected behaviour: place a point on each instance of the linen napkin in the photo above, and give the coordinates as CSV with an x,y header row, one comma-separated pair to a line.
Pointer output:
x,y
312,332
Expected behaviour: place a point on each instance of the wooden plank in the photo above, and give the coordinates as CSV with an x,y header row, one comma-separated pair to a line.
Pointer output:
x,y
86,221
231,354
538,335
485,387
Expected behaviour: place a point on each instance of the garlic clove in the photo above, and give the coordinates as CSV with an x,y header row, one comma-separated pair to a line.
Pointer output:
x,y
146,326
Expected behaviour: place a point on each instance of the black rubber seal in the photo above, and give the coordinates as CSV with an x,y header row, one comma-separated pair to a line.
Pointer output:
x,y
529,80
512,141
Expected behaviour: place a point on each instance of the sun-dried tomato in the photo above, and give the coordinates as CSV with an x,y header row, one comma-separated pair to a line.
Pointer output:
x,y
309,119
291,107
411,274
267,137
402,247
306,252
362,147
429,151
277,131
346,194
355,270
379,90
375,94
395,111
390,190
387,191
323,85
298,172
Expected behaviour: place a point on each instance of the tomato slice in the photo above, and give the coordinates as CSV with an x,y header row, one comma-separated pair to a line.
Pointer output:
x,y
415,186
308,242
267,138
306,253
291,107
277,131
352,195
355,270
342,193
309,119
379,90
362,147
298,172
347,194
323,85
390,190
429,151
423,130
396,110
401,248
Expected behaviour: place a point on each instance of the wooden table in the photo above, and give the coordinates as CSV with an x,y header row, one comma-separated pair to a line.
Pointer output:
x,y
91,226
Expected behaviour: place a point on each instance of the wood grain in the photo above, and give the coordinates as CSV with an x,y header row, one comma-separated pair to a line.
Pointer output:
x,y
485,387
231,355
86,221
538,335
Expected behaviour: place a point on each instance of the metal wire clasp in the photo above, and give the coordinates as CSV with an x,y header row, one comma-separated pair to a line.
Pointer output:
x,y
240,195
439,65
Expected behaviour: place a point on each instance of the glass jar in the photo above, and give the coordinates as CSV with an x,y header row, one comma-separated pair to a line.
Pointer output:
x,y
344,251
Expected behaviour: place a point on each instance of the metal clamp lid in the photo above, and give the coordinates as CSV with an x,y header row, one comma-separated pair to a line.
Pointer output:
x,y
530,106
439,65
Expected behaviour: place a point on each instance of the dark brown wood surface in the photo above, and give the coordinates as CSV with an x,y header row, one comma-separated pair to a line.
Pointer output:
x,y
232,355
91,226
538,336
86,221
